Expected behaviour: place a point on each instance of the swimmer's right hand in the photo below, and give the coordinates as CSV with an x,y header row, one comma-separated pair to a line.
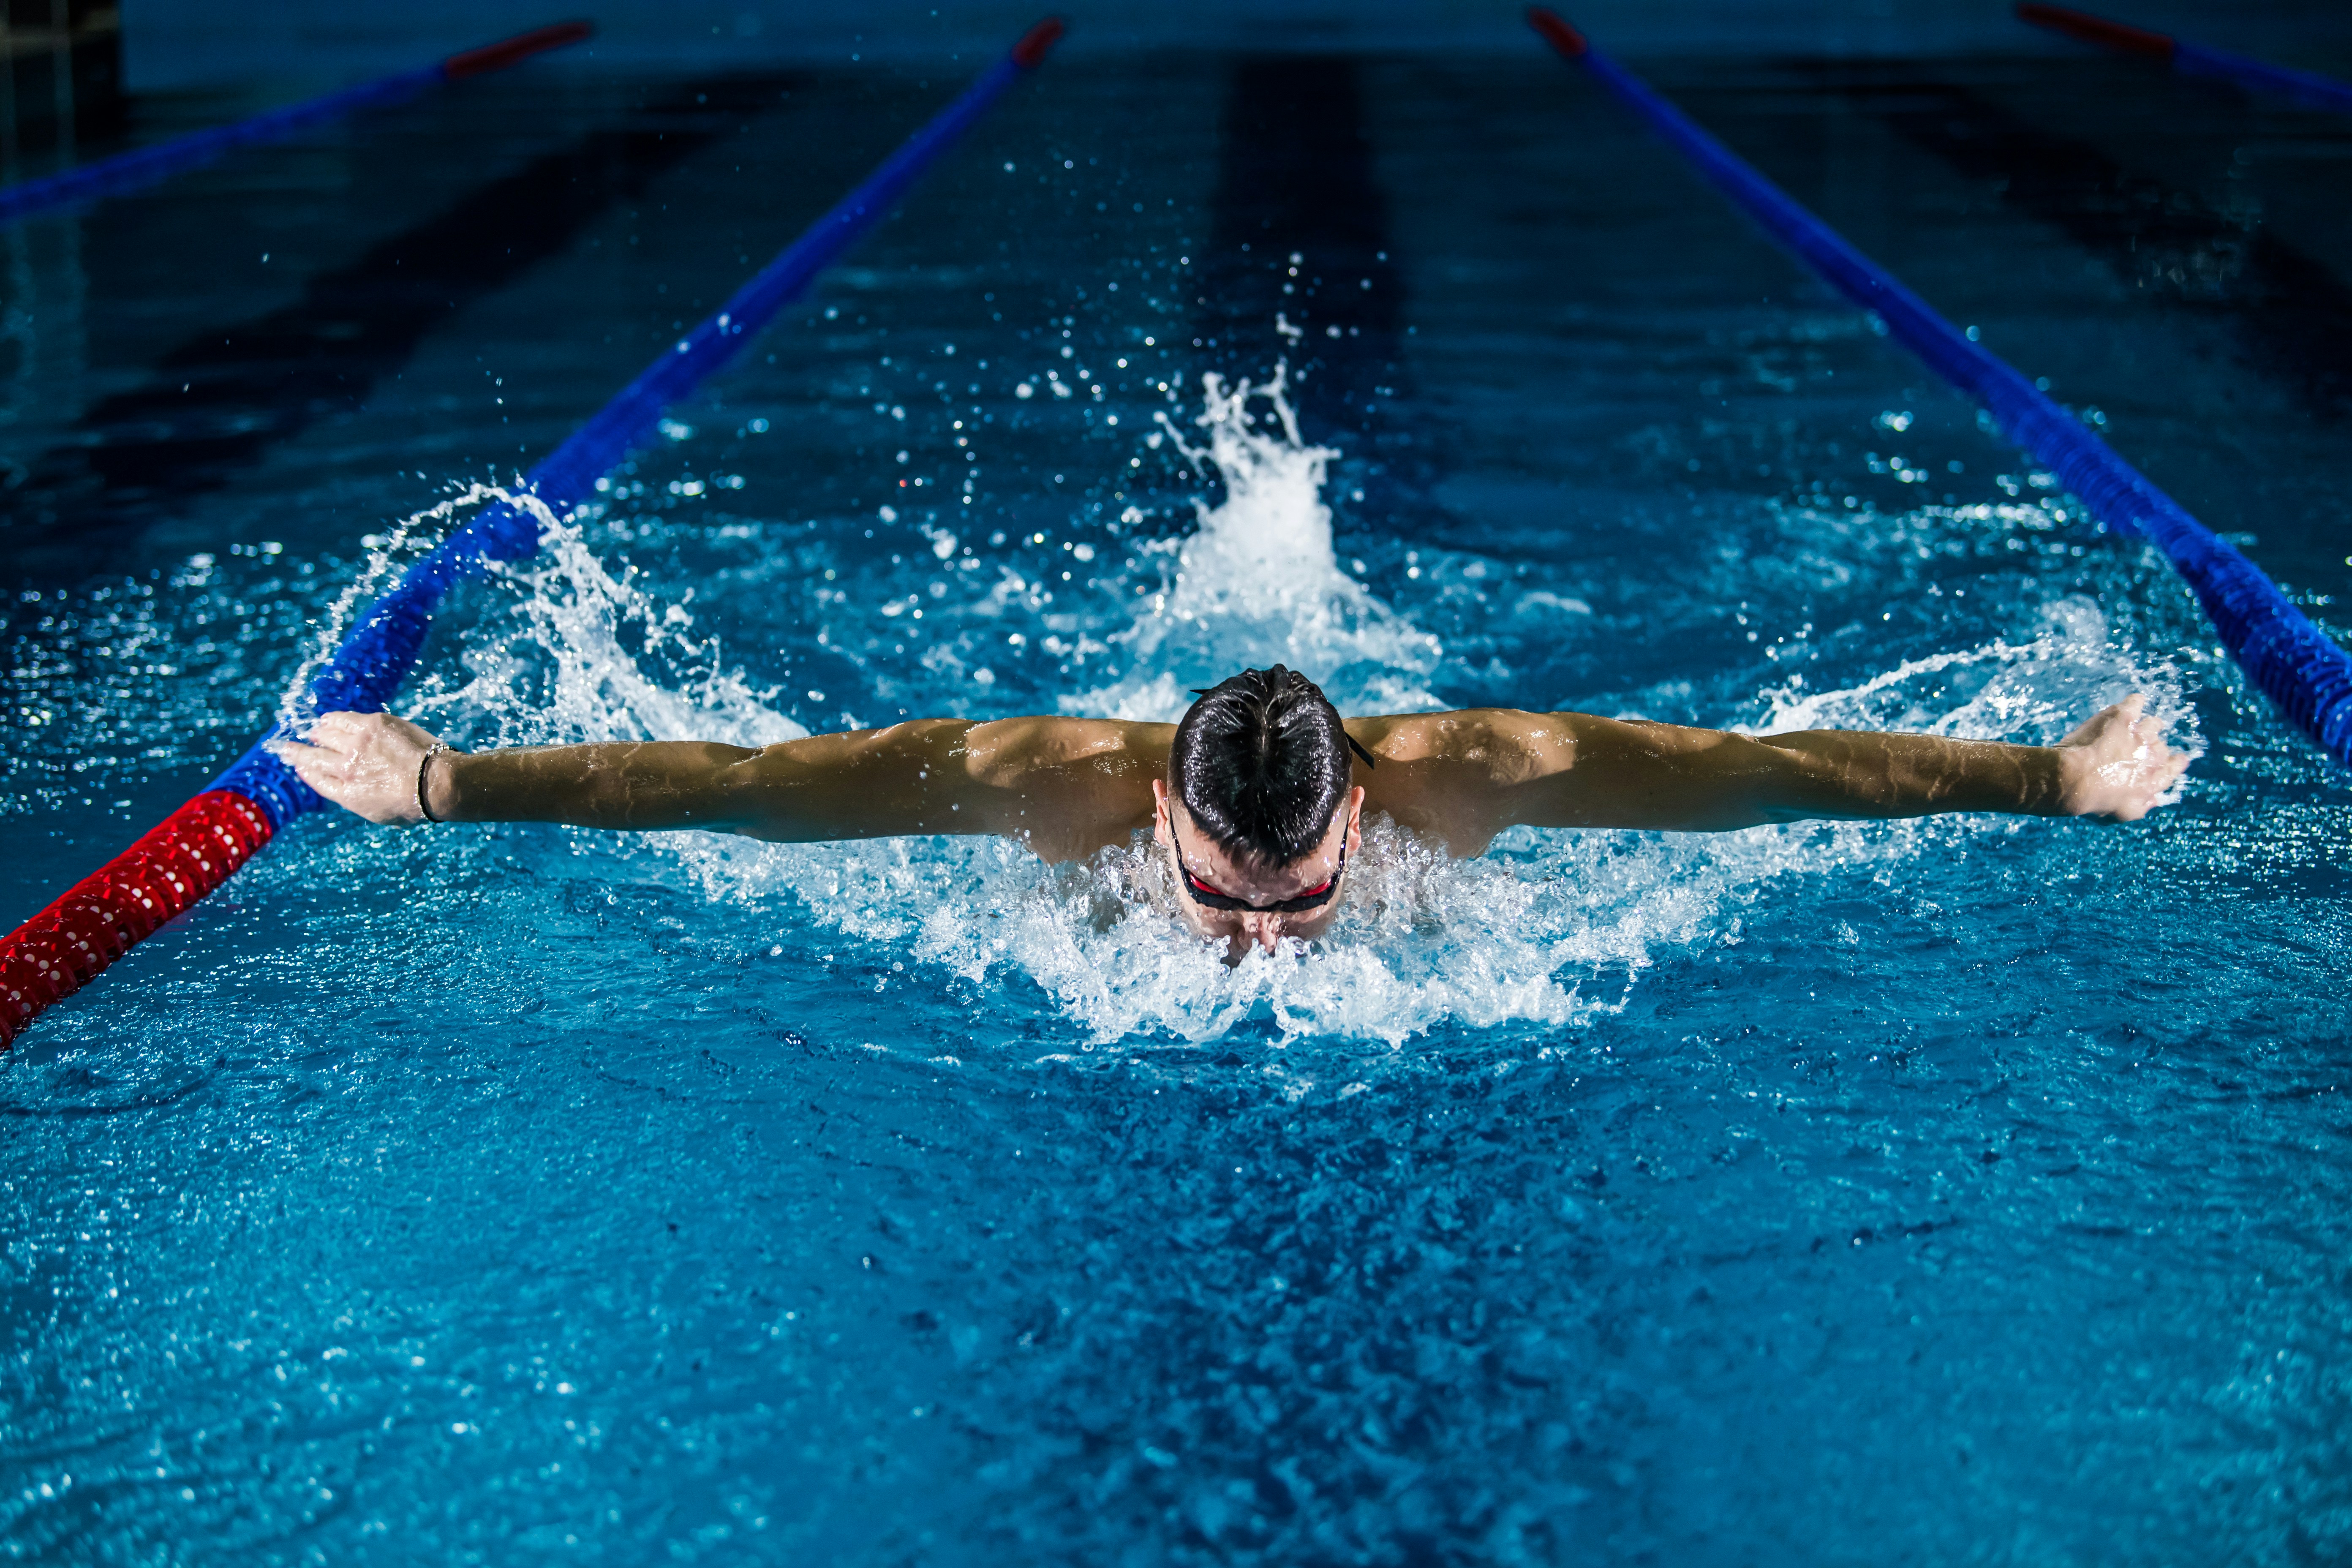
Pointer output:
x,y
367,762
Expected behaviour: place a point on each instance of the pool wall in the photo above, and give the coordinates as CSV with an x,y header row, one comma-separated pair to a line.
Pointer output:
x,y
171,45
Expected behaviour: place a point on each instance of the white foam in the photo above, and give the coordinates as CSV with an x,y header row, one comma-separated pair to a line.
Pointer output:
x,y
1257,582
565,661
1552,929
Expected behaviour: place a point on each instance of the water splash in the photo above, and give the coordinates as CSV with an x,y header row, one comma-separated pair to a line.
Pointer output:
x,y
1258,582
388,556
1551,928
2034,691
581,652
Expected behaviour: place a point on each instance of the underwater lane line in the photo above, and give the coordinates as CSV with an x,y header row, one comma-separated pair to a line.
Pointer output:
x,y
2286,656
130,171
2307,88
2291,313
207,840
1300,245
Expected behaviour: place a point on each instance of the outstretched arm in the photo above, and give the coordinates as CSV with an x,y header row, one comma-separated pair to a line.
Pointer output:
x,y
1467,776
1065,785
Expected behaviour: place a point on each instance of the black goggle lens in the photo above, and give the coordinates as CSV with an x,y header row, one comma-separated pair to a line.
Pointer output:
x,y
1208,898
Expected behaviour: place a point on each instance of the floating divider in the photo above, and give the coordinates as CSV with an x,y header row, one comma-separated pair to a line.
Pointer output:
x,y
2308,87
129,170
200,846
2284,655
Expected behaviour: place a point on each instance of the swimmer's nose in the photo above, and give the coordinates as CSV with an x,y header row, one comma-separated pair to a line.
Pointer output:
x,y
1263,929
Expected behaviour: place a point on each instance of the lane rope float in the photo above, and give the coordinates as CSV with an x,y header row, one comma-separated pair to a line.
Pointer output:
x,y
202,845
2307,88
2285,656
144,166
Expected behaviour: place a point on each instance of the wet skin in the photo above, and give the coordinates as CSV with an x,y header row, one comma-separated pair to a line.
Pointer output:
x,y
1194,851
1067,787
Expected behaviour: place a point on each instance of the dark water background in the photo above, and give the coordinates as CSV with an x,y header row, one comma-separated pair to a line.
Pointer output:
x,y
1965,1193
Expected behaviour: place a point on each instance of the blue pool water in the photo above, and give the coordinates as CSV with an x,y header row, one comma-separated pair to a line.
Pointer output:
x,y
1972,1190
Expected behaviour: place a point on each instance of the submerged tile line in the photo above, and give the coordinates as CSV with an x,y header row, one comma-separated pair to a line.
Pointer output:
x,y
2173,248
1297,186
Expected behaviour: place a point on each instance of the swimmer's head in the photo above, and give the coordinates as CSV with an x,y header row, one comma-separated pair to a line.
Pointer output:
x,y
1261,764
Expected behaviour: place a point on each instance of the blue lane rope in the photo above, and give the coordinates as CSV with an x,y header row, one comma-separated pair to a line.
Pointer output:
x,y
2307,88
375,656
144,166
2283,654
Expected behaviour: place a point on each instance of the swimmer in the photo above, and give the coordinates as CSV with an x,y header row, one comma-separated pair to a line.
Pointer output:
x,y
1257,796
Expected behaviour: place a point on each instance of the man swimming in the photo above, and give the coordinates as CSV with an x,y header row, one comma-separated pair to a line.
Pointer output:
x,y
1257,796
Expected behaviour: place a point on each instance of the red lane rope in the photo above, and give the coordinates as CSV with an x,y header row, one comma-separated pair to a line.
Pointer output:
x,y
2093,29
56,952
1030,52
178,861
521,47
1557,32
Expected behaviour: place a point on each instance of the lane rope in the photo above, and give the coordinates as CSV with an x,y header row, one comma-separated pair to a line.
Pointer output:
x,y
206,841
145,166
2286,656
2307,88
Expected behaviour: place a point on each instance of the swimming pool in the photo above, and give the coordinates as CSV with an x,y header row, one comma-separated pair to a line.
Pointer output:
x,y
1970,1189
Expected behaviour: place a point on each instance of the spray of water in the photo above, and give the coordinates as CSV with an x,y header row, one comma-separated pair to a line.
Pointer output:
x,y
1549,928
1258,582
387,558
584,653
2034,690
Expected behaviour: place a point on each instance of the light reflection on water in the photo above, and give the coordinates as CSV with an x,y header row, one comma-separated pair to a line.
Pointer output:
x,y
1953,1191
575,648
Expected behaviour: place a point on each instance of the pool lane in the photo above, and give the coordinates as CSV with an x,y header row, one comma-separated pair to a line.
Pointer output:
x,y
214,404
2177,249
1295,175
1300,232
517,1194
2236,435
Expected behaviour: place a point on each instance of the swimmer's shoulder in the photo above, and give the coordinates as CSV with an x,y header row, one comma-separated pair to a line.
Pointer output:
x,y
1452,776
1006,751
1065,786
1501,746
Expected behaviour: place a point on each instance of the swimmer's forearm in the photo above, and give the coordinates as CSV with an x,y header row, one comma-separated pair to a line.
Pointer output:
x,y
925,777
867,784
1670,778
617,784
1847,773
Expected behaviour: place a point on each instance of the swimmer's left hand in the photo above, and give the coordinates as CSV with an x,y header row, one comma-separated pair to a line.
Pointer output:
x,y
2117,764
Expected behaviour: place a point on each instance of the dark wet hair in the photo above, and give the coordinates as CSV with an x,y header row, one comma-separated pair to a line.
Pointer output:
x,y
1261,762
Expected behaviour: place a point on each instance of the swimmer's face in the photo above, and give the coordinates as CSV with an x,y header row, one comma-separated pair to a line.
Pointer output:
x,y
1208,864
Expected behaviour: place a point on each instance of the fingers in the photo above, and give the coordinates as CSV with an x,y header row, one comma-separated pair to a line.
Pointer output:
x,y
2095,729
2121,729
328,772
342,730
366,762
306,759
2128,768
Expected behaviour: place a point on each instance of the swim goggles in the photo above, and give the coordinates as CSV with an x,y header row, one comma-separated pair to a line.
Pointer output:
x,y
1208,898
